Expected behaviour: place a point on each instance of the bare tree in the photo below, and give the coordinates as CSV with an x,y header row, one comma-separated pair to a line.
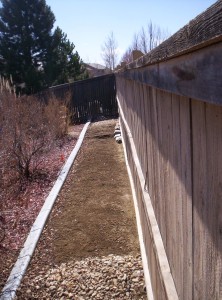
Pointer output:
x,y
109,52
136,42
127,56
150,38
136,45
143,41
146,40
155,35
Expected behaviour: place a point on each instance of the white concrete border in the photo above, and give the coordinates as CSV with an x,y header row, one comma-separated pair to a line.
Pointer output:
x,y
27,251
149,290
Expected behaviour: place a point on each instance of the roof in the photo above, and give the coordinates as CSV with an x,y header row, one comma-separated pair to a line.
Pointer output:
x,y
96,66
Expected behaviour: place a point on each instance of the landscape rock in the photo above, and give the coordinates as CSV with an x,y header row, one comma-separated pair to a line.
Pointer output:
x,y
105,278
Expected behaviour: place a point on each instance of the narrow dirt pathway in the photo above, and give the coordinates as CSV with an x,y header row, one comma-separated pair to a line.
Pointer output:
x,y
89,248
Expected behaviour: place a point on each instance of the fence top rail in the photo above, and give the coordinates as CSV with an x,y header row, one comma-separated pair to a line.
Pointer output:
x,y
200,32
65,85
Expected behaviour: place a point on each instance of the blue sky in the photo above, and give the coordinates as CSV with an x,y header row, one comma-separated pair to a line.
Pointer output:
x,y
89,22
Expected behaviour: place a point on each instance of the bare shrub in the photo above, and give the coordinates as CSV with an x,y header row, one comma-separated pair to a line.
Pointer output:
x,y
7,97
58,114
28,129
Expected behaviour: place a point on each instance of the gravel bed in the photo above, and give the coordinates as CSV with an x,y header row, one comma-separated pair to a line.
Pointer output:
x,y
109,277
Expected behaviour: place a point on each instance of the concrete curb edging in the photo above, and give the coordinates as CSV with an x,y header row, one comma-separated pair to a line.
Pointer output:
x,y
27,251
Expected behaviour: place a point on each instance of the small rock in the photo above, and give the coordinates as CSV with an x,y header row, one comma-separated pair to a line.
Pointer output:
x,y
109,277
115,282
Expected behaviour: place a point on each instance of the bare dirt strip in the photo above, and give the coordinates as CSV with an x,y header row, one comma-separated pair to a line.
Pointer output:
x,y
89,248
21,201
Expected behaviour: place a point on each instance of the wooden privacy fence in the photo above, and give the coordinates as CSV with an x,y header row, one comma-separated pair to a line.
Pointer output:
x,y
90,98
171,117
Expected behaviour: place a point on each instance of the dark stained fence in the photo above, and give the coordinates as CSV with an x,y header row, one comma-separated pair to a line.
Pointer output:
x,y
171,108
90,98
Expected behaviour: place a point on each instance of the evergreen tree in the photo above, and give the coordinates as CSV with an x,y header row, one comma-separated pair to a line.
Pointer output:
x,y
30,52
63,64
25,37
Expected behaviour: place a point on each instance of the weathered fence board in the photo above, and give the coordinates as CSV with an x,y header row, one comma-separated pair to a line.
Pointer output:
x,y
171,100
90,98
207,192
172,136
162,283
161,132
200,32
185,219
185,75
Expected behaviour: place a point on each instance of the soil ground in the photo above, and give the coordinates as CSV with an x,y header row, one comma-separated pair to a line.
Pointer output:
x,y
21,201
94,213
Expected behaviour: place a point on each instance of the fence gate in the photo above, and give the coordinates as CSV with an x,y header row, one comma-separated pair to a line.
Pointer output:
x,y
90,98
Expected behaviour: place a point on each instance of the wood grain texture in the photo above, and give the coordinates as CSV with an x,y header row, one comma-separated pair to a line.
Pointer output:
x,y
207,205
204,30
185,199
183,146
162,283
179,144
196,75
161,126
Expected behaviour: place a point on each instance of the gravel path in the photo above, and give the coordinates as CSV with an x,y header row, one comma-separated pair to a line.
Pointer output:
x,y
110,277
